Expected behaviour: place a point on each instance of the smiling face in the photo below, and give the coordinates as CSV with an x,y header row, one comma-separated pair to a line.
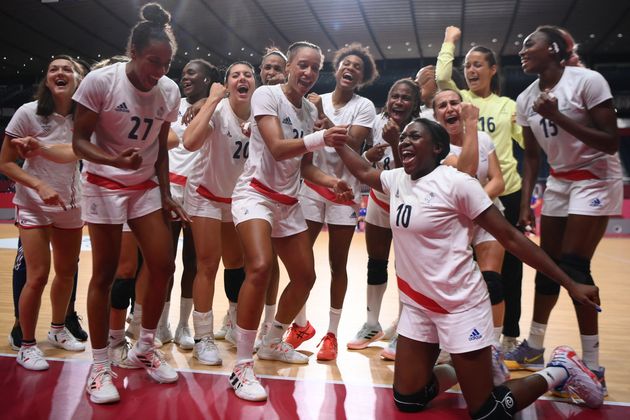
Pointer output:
x,y
479,72
272,70
150,64
417,150
240,82
447,107
350,73
400,103
536,53
61,78
194,82
303,69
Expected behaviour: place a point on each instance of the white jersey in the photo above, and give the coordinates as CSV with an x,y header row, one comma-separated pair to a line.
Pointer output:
x,y
578,90
62,177
279,176
180,160
432,225
127,118
222,155
358,111
387,161
486,147
426,112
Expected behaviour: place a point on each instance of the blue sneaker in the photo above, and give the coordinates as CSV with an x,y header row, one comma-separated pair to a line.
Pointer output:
x,y
525,357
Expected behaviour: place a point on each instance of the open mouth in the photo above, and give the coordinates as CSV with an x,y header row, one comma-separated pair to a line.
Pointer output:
x,y
61,82
186,84
451,119
348,77
242,89
407,156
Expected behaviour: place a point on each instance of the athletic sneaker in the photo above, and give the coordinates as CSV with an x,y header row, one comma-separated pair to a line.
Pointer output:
x,y
389,333
155,365
281,351
444,358
164,333
32,358
183,338
599,374
15,338
389,352
100,385
64,340
296,335
133,330
230,335
262,331
500,372
328,349
118,354
366,335
508,344
582,384
73,324
225,324
245,383
525,357
207,352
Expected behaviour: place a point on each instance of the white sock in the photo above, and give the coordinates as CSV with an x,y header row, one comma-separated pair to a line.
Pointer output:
x,y
333,323
590,351
116,337
185,309
536,335
554,375
300,318
232,312
101,357
270,313
203,323
375,293
245,340
145,342
163,322
137,313
276,332
496,335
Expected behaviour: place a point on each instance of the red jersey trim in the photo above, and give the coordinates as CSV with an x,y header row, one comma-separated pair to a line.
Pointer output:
x,y
419,298
574,175
378,201
110,184
177,179
274,195
205,193
328,195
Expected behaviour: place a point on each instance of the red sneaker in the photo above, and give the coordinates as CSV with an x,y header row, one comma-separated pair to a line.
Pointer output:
x,y
296,335
328,349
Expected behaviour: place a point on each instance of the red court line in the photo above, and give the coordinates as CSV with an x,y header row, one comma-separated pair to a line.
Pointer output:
x,y
59,393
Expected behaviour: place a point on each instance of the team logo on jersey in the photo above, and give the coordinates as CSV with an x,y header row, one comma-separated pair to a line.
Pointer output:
x,y
94,208
595,202
229,134
287,121
397,195
353,215
122,108
429,197
160,112
475,335
45,128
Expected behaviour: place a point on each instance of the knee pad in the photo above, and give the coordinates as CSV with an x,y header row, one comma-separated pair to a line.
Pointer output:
x,y
546,286
233,279
415,402
500,405
121,293
494,281
578,268
376,271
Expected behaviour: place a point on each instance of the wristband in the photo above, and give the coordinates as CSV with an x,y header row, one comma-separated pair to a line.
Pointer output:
x,y
314,141
364,156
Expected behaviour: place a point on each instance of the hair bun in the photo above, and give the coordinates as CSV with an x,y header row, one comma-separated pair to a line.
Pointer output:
x,y
155,13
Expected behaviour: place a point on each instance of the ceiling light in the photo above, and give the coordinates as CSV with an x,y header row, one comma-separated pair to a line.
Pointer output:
x,y
619,35
407,43
430,45
389,47
494,40
519,35
591,36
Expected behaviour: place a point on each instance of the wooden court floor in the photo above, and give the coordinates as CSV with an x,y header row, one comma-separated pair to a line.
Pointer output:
x,y
610,267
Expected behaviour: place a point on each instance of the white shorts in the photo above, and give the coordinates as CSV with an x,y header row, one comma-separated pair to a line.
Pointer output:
x,y
126,228
323,211
480,236
177,192
377,215
117,209
199,206
28,218
590,197
456,333
285,219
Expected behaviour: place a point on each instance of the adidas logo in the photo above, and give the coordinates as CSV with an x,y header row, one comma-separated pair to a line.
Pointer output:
x,y
287,120
122,108
474,335
353,215
596,202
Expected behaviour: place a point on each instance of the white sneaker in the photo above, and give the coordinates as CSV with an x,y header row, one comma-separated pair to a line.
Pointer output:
x,y
230,335
390,332
118,354
366,335
133,330
155,365
281,351
225,324
443,358
500,372
64,340
389,352
31,358
207,352
100,386
245,383
183,338
164,333
262,331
